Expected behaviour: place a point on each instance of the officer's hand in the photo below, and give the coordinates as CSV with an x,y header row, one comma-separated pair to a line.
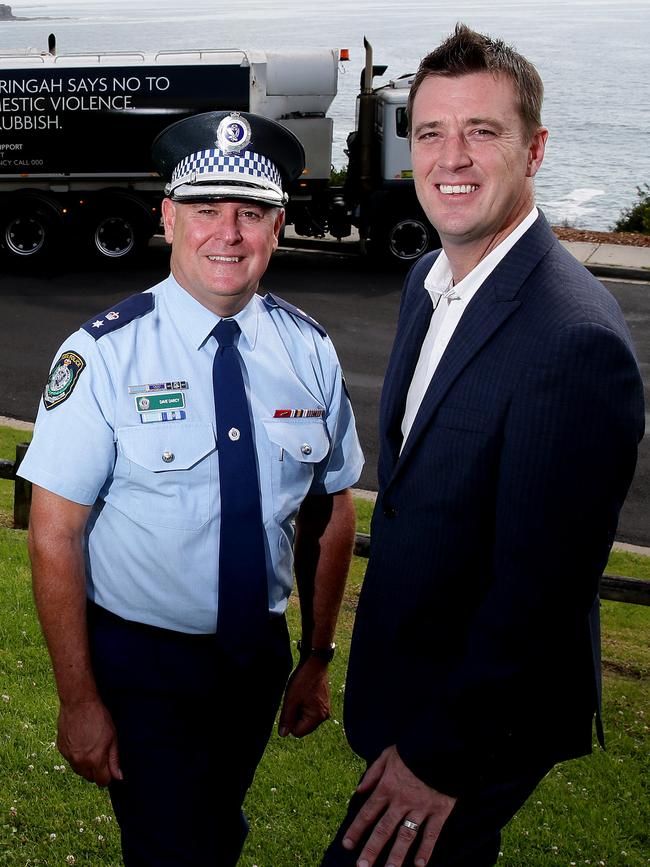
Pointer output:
x,y
306,699
396,794
87,739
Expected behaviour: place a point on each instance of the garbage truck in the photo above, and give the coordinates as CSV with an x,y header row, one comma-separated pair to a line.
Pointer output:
x,y
76,176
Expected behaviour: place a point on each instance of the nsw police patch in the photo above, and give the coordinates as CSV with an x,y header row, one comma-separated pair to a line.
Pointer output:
x,y
62,379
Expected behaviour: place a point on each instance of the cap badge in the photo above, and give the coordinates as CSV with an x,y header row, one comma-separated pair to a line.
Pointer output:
x,y
233,133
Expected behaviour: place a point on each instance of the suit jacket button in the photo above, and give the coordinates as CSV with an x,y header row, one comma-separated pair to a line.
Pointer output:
x,y
390,511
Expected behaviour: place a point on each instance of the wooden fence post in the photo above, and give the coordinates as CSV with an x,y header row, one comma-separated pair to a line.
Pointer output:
x,y
23,493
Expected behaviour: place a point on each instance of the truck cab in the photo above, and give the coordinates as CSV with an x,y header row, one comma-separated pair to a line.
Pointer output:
x,y
396,228
391,129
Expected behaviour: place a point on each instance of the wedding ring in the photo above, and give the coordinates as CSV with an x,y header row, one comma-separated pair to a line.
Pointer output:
x,y
412,826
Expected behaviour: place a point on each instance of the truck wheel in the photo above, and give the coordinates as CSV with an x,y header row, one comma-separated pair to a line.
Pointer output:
x,y
118,230
403,239
115,237
32,229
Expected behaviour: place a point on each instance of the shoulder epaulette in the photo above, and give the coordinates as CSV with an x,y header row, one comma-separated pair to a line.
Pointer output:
x,y
273,301
123,313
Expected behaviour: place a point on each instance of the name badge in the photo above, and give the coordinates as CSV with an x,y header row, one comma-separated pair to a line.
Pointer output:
x,y
157,402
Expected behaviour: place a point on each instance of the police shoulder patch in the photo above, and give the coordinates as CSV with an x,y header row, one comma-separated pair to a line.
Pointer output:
x,y
273,301
123,313
62,379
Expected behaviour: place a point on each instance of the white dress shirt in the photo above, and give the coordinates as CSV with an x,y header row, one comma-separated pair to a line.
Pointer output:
x,y
446,316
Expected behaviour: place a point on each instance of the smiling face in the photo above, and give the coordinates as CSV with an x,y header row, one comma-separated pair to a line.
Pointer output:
x,y
220,250
473,163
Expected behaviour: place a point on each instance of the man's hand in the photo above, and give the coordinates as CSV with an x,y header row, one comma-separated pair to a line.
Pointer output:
x,y
306,700
87,736
397,794
87,739
322,554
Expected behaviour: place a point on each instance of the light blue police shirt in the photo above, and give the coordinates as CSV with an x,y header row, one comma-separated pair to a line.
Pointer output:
x,y
146,459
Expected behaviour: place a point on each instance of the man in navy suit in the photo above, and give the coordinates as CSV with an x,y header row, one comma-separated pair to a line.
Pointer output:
x,y
510,417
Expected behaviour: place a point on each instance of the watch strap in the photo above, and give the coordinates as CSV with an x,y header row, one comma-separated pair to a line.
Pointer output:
x,y
324,653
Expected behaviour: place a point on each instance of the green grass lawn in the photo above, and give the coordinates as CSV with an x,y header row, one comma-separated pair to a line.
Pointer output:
x,y
589,811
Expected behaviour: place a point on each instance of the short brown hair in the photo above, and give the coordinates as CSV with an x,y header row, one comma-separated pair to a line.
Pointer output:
x,y
467,51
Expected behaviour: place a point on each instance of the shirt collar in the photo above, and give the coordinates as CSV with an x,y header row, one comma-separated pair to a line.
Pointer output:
x,y
197,321
438,281
248,320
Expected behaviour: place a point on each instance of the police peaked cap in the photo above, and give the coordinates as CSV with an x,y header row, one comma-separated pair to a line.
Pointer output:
x,y
228,155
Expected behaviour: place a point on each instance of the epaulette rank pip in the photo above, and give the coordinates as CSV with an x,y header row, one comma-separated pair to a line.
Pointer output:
x,y
123,313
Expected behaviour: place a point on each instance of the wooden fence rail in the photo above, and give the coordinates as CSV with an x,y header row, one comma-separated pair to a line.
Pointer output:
x,y
613,587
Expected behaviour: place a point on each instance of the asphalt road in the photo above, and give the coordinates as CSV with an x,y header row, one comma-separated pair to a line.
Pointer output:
x,y
357,304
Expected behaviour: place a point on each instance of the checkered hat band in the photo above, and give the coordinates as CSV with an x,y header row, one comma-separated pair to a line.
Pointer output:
x,y
210,164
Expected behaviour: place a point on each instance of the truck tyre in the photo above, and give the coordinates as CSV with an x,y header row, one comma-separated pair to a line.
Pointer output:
x,y
115,237
32,229
402,238
119,229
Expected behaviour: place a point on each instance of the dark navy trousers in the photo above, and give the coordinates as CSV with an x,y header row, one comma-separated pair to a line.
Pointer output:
x,y
192,726
471,836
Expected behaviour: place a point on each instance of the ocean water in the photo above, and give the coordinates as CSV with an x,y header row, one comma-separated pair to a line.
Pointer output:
x,y
592,55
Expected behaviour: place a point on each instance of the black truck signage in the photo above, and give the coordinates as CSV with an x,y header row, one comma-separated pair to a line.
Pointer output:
x,y
102,120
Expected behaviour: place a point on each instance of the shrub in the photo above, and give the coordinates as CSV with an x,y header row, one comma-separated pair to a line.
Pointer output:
x,y
636,218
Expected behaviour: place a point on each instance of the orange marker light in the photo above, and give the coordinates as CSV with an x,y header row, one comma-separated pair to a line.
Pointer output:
x,y
344,54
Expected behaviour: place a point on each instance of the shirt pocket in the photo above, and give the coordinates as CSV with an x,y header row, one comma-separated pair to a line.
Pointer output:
x,y
296,447
164,473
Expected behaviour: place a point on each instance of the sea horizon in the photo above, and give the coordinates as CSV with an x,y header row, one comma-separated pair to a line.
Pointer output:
x,y
592,56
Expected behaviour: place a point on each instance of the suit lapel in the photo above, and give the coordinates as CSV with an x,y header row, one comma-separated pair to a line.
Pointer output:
x,y
491,306
406,351
412,328
484,315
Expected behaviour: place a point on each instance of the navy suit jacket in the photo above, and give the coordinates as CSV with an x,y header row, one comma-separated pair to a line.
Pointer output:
x,y
476,640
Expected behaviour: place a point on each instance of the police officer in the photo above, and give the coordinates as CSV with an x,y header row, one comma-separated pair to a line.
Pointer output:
x,y
180,434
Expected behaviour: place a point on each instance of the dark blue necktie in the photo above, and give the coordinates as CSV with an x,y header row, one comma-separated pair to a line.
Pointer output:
x,y
243,593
